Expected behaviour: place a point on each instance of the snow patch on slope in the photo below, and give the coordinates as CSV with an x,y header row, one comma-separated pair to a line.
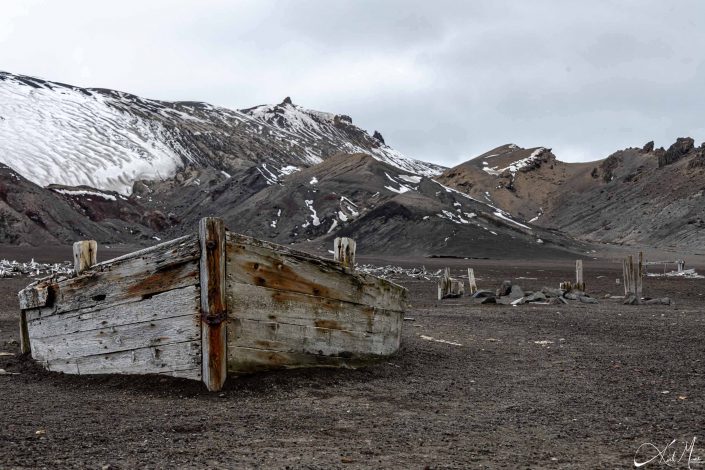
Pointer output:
x,y
515,166
54,134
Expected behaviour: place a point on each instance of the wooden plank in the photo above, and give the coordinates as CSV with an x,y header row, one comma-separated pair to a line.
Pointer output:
x,y
471,281
246,360
160,269
263,304
36,296
211,233
579,282
85,255
287,337
176,359
116,338
638,278
24,334
174,303
264,264
344,252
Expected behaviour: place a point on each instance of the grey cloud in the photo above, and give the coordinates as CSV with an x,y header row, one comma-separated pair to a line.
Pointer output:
x,y
442,80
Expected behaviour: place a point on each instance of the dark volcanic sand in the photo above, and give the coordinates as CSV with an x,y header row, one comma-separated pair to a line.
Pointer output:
x,y
587,399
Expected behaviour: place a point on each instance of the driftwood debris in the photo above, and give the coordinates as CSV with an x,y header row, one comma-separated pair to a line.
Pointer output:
x,y
449,287
209,305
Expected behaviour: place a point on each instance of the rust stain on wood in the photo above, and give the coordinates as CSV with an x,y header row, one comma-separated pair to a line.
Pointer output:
x,y
159,281
276,274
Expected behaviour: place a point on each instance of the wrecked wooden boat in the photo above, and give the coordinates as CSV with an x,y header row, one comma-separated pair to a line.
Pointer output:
x,y
206,306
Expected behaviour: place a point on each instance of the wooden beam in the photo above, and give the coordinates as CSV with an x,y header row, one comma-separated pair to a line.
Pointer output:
x,y
638,278
471,281
211,233
85,255
344,252
579,283
24,334
256,262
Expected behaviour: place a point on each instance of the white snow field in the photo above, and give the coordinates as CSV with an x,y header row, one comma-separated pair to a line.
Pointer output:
x,y
65,136
58,134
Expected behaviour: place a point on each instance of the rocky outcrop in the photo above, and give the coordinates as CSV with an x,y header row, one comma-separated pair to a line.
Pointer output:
x,y
675,152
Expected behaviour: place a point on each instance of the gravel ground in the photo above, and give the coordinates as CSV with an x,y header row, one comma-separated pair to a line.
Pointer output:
x,y
575,386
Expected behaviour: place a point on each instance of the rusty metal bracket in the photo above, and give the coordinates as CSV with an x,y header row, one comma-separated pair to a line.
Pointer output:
x,y
214,319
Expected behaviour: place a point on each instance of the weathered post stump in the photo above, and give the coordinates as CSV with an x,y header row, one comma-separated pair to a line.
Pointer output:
x,y
344,252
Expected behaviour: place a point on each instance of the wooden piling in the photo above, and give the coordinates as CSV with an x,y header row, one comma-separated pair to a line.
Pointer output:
x,y
449,287
633,275
471,281
638,278
579,283
344,252
85,255
211,233
24,333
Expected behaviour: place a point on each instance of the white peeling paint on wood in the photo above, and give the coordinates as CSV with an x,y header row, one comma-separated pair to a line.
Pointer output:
x,y
176,359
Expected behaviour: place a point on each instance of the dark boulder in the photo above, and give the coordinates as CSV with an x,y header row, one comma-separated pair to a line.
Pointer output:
x,y
377,135
648,147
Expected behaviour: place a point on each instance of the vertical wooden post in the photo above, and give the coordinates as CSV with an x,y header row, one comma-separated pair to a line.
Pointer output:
x,y
211,233
471,281
24,333
638,278
579,284
85,255
344,252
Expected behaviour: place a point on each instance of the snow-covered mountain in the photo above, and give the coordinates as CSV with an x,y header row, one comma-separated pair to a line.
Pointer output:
x,y
53,133
107,165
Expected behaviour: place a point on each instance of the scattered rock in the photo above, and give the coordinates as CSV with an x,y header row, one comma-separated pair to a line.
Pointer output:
x,y
661,301
552,292
587,299
516,292
504,289
482,294
536,297
630,300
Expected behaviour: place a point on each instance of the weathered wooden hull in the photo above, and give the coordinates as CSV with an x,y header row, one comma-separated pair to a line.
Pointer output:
x,y
156,312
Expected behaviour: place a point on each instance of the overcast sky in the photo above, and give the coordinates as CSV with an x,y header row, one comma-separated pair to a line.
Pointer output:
x,y
442,81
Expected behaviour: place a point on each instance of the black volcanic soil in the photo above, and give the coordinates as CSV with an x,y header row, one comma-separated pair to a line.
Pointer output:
x,y
573,386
